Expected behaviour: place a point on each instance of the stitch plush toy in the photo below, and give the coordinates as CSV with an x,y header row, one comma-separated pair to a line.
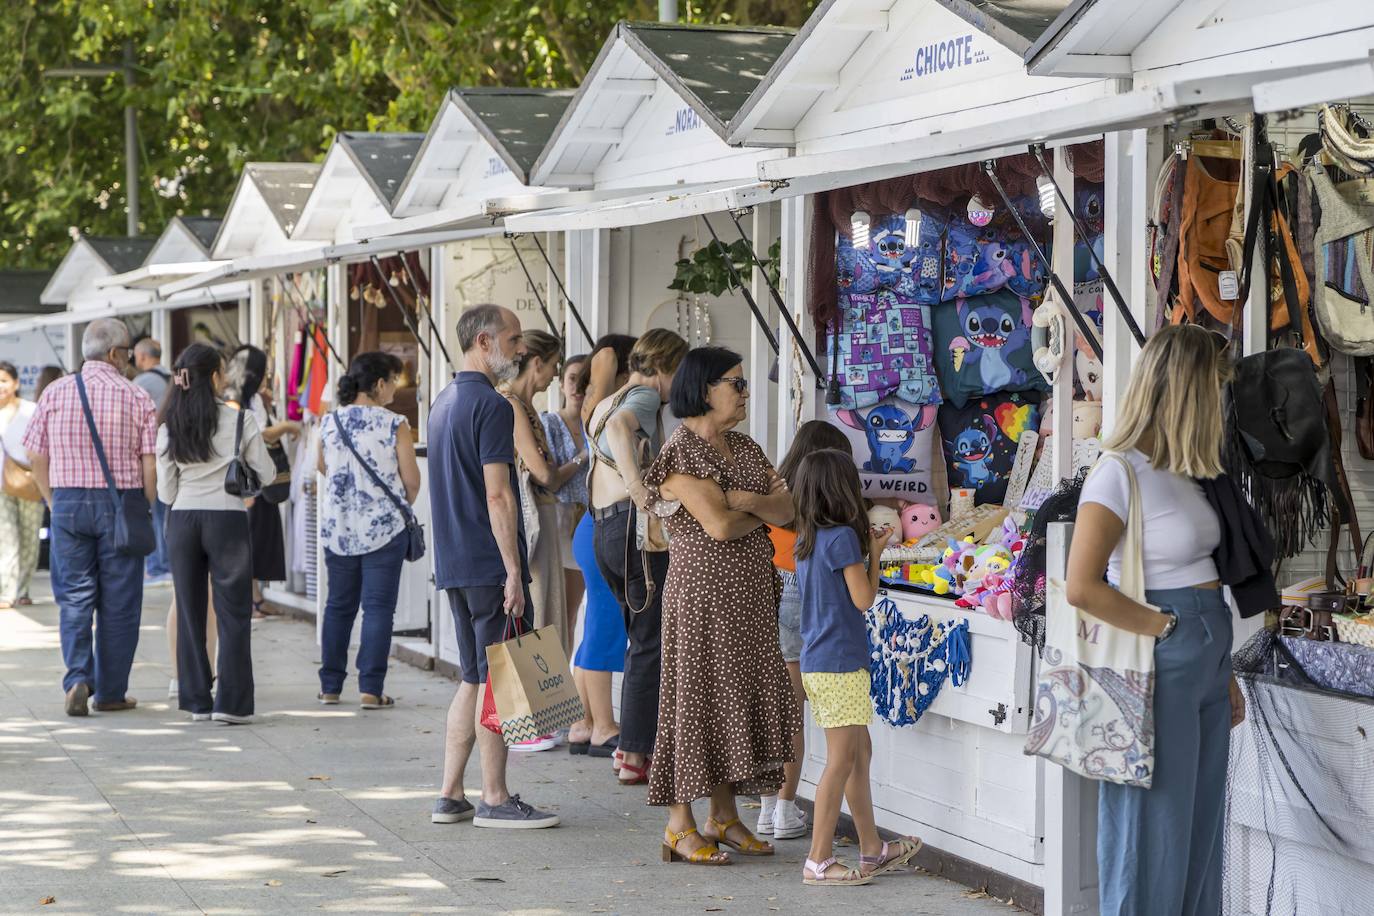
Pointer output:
x,y
973,452
890,433
949,575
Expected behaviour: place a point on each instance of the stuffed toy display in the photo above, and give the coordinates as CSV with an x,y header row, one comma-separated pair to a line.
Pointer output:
x,y
983,346
980,441
884,349
893,444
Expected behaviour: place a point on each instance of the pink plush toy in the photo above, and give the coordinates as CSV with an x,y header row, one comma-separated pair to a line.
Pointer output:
x,y
918,520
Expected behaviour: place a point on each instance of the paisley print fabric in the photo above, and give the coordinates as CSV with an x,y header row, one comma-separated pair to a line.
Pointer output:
x,y
356,517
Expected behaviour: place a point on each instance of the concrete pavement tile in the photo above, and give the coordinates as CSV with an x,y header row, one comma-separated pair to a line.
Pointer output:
x,y
100,897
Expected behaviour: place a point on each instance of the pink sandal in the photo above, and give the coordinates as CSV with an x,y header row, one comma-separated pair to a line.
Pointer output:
x,y
814,874
902,852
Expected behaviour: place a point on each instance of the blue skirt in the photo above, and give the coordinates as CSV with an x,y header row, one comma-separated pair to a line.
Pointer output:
x,y
603,629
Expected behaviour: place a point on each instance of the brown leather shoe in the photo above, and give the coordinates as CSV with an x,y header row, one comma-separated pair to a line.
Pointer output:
x,y
116,706
76,700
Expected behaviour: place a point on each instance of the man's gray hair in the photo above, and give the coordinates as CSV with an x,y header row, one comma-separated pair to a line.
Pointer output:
x,y
474,321
102,336
148,347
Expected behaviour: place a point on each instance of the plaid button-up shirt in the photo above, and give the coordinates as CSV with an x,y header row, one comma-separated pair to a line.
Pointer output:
x,y
124,415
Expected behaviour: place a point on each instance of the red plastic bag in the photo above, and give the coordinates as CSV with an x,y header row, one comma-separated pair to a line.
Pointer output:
x,y
490,720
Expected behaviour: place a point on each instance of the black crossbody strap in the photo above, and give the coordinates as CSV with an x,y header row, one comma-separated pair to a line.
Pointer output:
x,y
347,440
95,439
238,434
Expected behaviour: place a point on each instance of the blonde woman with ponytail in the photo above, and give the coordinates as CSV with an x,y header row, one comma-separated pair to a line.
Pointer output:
x,y
1159,849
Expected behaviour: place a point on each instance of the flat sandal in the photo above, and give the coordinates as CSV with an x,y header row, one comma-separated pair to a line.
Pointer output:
x,y
902,852
814,874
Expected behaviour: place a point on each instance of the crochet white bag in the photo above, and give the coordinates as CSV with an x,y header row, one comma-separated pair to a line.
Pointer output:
x,y
1094,700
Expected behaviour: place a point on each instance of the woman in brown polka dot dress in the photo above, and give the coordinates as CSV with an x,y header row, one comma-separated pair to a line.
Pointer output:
x,y
727,712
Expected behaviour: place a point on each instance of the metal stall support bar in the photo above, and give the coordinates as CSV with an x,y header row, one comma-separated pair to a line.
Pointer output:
x,y
303,312
553,326
744,290
1039,152
408,318
1088,331
422,304
577,316
782,307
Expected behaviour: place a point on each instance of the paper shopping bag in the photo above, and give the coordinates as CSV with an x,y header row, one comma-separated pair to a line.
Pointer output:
x,y
532,685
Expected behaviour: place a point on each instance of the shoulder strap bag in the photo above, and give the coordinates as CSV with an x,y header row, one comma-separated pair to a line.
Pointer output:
x,y
415,532
278,489
1094,698
240,479
133,517
16,478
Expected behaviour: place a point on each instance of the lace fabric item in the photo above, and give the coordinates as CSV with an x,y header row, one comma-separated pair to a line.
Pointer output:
x,y
910,660
1028,592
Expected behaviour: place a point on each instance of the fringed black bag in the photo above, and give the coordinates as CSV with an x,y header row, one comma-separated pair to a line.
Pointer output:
x,y
1028,583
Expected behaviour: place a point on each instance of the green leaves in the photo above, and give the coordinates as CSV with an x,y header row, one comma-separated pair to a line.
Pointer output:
x,y
707,271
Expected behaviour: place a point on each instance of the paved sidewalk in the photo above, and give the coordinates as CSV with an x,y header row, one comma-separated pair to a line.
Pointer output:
x,y
315,809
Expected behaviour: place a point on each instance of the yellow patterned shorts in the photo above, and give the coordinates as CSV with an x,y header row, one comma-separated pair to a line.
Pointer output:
x,y
839,698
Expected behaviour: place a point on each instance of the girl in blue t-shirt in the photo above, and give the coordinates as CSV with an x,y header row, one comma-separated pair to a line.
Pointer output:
x,y
837,574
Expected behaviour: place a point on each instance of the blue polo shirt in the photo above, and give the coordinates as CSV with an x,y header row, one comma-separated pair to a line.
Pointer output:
x,y
470,425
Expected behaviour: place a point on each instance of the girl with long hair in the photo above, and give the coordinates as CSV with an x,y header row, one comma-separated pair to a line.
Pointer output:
x,y
207,533
1159,849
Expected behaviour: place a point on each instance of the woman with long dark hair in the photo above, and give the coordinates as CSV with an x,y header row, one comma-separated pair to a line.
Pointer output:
x,y
363,530
207,533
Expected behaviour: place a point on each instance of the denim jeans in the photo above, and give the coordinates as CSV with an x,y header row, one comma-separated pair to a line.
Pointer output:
x,y
157,563
94,584
372,579
639,687
1159,849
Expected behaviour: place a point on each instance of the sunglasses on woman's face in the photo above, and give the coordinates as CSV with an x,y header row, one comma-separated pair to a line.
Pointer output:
x,y
740,383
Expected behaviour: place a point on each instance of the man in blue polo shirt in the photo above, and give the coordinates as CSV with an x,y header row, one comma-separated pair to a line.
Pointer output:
x,y
479,553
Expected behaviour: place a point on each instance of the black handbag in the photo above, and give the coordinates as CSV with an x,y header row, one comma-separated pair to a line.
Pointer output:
x,y
240,479
279,490
415,532
133,517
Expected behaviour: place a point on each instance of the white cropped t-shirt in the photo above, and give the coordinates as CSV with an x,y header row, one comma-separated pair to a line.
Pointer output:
x,y
1181,528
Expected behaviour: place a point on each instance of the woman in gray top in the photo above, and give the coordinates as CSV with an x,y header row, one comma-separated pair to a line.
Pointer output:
x,y
207,532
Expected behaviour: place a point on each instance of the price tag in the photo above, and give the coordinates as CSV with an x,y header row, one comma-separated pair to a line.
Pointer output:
x,y
1229,285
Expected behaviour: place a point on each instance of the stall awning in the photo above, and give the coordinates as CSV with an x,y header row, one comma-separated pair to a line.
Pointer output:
x,y
223,292
153,276
267,265
640,209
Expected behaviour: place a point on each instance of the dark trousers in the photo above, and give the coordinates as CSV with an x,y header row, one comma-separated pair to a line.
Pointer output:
x,y
643,657
94,584
372,579
205,543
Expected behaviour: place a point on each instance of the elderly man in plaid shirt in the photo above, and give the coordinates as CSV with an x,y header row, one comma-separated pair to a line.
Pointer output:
x,y
92,581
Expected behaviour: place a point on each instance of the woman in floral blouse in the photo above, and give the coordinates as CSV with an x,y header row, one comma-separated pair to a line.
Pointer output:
x,y
363,530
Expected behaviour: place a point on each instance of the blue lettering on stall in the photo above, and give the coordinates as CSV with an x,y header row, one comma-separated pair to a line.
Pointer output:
x,y
684,119
495,166
943,56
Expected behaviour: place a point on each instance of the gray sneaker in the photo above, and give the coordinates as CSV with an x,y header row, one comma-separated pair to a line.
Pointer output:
x,y
450,810
513,815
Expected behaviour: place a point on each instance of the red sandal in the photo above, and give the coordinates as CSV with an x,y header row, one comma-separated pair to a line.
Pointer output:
x,y
638,775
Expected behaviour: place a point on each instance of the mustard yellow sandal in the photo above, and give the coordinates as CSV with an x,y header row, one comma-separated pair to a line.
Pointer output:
x,y
709,854
749,846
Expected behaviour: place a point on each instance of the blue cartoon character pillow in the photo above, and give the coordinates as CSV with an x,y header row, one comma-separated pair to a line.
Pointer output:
x,y
884,349
893,448
980,441
855,271
983,346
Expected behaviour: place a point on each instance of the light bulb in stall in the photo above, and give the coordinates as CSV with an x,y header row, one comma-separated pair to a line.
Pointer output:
x,y
858,228
913,228
1048,201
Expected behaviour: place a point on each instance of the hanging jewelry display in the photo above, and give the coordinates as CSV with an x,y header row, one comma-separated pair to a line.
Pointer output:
x,y
910,660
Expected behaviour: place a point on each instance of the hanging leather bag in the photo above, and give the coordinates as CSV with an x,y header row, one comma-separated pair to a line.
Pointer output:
x,y
133,517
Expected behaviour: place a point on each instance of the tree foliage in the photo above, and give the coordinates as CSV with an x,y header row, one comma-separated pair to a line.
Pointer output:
x,y
222,82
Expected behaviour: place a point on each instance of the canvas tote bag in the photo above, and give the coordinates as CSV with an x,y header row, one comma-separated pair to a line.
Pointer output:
x,y
532,685
1094,700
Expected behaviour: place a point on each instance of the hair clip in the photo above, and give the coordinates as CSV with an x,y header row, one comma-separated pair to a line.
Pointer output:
x,y
182,379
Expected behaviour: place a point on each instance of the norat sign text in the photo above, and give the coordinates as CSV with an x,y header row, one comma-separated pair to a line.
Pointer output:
x,y
940,56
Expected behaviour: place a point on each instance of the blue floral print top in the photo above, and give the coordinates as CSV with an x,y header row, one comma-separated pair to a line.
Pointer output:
x,y
355,516
564,448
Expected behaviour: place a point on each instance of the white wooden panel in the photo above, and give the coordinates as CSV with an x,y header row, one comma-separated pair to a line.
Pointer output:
x,y
415,599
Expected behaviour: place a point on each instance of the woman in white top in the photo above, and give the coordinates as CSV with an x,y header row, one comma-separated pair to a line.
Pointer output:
x,y
1159,849
207,533
361,526
20,518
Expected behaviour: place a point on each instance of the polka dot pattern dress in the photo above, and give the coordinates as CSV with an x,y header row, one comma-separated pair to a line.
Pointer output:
x,y
726,710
